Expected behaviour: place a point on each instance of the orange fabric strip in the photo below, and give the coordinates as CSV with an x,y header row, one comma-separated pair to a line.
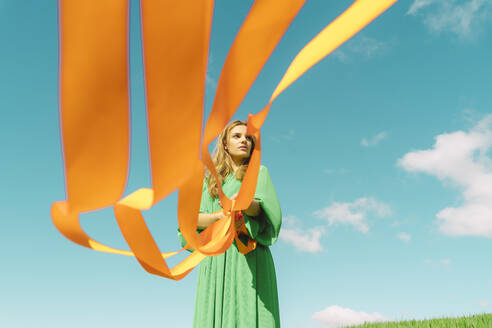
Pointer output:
x,y
351,21
95,123
247,56
94,111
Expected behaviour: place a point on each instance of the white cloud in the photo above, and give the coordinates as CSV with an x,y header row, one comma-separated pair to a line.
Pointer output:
x,y
303,240
419,4
471,115
306,241
404,236
441,262
335,316
360,45
209,80
286,136
340,55
375,140
353,213
483,303
463,18
461,158
445,262
366,46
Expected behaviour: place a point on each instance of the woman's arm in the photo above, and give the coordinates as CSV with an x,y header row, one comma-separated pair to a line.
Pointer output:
x,y
206,219
254,208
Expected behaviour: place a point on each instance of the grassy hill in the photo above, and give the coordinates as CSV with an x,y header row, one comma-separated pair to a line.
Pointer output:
x,y
475,321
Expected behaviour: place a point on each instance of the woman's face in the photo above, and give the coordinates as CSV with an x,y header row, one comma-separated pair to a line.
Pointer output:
x,y
238,144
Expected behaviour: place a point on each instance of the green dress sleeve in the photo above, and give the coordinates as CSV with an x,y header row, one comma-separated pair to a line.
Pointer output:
x,y
204,208
266,226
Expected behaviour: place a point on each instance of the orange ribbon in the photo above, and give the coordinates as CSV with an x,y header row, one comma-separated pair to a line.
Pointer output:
x,y
94,112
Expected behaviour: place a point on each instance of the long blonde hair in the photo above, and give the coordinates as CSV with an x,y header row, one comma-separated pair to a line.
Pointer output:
x,y
223,160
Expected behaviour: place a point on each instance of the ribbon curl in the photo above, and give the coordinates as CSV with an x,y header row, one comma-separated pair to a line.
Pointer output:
x,y
94,112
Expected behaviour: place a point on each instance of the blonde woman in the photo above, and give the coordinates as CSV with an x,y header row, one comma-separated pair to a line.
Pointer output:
x,y
236,290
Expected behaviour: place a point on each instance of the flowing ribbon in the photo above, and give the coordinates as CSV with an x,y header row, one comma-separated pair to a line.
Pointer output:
x,y
94,112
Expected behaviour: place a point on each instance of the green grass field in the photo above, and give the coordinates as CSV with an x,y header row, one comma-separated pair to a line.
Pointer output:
x,y
475,321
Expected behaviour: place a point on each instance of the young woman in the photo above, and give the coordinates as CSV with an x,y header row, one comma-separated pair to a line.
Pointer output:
x,y
236,290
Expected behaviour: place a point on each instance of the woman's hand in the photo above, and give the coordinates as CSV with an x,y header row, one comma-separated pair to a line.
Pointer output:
x,y
239,220
206,219
219,216
253,209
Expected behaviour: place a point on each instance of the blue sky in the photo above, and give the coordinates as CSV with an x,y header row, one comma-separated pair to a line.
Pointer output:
x,y
380,156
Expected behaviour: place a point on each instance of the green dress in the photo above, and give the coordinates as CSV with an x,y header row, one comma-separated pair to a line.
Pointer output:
x,y
236,290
